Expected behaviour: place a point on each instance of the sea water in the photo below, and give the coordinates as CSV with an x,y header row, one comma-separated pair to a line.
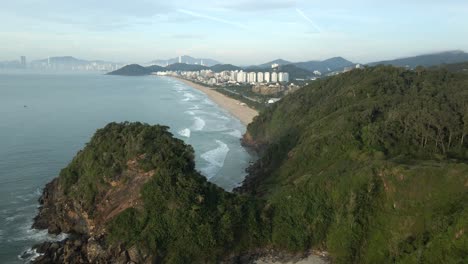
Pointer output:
x,y
45,118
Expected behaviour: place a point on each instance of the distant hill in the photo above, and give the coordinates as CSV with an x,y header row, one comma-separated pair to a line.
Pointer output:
x,y
325,66
61,60
187,60
133,70
138,70
268,64
427,60
225,67
296,72
456,67
185,67
329,65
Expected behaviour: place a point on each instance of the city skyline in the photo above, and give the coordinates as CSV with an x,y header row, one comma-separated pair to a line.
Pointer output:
x,y
241,32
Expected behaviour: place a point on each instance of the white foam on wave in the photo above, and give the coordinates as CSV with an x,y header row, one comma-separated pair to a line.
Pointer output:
x,y
223,117
190,112
198,124
26,233
195,107
29,255
215,159
235,133
28,197
184,132
208,101
188,97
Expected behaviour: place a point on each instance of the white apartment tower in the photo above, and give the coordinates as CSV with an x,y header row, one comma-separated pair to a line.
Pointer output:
x,y
267,77
274,77
252,77
283,77
241,77
260,78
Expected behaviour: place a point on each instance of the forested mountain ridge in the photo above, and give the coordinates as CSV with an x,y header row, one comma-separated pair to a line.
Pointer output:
x,y
370,164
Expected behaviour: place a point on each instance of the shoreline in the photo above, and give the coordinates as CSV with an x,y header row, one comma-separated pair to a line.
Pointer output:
x,y
236,108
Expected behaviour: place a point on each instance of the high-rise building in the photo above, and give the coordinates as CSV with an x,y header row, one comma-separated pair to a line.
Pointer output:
x,y
283,77
267,77
274,77
260,77
252,77
241,77
23,61
233,76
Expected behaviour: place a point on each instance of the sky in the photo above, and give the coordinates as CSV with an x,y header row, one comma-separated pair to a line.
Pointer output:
x,y
240,32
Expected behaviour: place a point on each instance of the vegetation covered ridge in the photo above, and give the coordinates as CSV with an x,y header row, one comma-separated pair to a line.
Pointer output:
x,y
133,194
370,164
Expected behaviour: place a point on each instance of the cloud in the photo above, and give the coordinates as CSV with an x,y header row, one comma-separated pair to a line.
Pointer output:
x,y
215,19
259,5
304,16
88,14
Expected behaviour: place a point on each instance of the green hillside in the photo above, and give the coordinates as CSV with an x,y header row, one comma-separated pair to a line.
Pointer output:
x,y
370,165
179,218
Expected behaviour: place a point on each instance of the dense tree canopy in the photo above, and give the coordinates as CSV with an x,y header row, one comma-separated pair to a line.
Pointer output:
x,y
370,164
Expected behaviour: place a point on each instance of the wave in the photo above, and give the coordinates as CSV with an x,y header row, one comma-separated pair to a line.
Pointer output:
x,y
188,97
190,112
195,107
29,255
208,102
198,124
215,159
26,233
235,133
184,132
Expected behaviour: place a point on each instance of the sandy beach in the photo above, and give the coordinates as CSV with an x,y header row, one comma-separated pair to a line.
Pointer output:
x,y
239,110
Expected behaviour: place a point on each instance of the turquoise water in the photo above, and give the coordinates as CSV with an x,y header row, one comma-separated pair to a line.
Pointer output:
x,y
46,118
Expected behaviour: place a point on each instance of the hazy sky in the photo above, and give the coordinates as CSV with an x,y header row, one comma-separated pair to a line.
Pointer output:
x,y
239,32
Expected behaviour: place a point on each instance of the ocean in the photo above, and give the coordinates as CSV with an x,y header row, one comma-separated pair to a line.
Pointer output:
x,y
46,118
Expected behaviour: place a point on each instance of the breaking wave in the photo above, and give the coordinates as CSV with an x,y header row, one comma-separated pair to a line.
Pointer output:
x,y
198,124
184,132
215,159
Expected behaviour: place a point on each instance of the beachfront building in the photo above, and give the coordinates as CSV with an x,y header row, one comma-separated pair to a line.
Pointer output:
x,y
233,76
241,77
283,77
267,77
274,77
260,77
252,77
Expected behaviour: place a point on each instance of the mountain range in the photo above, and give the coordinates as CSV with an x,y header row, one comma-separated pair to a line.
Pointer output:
x,y
306,69
427,60
185,59
68,60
